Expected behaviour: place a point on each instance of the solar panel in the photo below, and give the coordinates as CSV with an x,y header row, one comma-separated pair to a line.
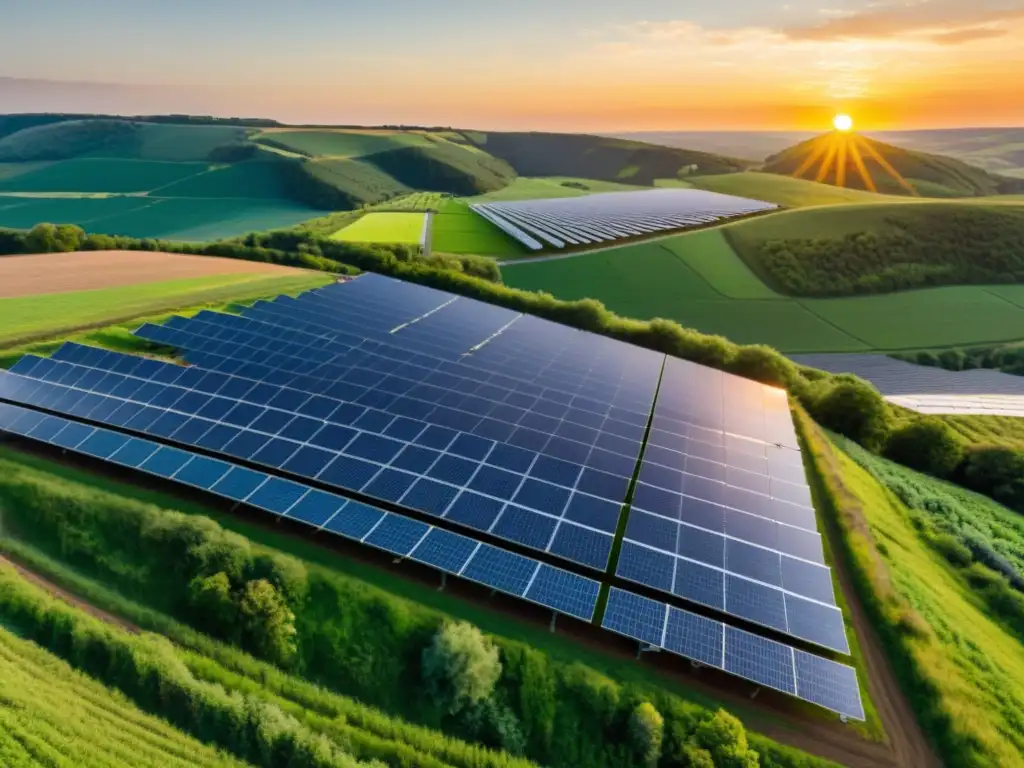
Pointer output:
x,y
820,681
606,217
554,588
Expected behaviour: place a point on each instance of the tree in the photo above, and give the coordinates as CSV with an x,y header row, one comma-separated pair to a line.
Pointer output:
x,y
460,666
856,410
996,472
724,737
52,238
646,731
927,445
209,598
268,625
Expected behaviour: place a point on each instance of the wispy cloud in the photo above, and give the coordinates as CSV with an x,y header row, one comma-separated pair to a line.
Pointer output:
x,y
942,22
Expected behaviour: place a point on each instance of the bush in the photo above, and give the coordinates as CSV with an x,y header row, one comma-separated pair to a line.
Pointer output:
x,y
460,666
996,472
646,731
927,445
855,410
267,624
724,737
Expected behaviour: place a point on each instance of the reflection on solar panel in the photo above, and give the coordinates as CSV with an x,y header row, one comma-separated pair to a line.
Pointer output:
x,y
601,218
722,515
542,584
823,682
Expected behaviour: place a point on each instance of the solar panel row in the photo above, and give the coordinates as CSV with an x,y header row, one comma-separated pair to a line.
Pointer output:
x,y
561,222
821,681
451,553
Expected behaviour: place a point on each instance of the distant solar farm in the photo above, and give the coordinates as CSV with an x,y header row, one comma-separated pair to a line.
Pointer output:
x,y
491,446
607,217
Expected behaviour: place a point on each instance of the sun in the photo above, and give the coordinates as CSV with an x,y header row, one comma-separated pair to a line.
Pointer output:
x,y
842,123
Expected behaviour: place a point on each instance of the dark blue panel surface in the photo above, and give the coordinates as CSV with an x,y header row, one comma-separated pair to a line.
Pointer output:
x,y
828,684
354,520
634,616
695,637
564,592
759,660
582,545
277,495
239,483
166,461
444,550
396,534
202,472
646,566
755,602
817,623
316,507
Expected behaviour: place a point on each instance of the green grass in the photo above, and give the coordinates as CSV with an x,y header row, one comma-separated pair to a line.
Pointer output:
x,y
180,143
51,714
962,671
102,175
713,290
415,201
784,190
31,317
338,143
384,227
259,179
523,188
10,170
709,255
458,230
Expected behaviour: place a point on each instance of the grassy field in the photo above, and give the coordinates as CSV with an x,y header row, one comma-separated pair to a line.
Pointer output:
x,y
384,227
710,288
53,715
962,670
458,230
416,201
342,143
53,314
554,186
102,175
785,190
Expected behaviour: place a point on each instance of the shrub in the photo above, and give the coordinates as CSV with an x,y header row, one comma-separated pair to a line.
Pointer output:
x,y
996,472
855,410
724,737
460,666
646,731
268,624
927,445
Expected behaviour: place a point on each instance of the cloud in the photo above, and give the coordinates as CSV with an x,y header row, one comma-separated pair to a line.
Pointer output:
x,y
944,22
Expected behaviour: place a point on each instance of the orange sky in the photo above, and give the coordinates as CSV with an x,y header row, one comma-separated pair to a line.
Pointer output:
x,y
534,64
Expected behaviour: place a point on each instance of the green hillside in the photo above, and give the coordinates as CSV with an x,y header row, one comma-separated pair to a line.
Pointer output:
x,y
699,280
785,190
929,175
606,159
857,249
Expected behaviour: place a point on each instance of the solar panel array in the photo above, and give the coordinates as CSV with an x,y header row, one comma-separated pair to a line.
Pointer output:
x,y
930,390
714,644
498,569
610,216
348,404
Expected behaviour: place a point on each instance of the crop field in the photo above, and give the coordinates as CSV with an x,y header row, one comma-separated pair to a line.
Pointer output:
x,y
458,230
384,227
523,188
54,715
416,201
341,143
962,669
709,288
52,293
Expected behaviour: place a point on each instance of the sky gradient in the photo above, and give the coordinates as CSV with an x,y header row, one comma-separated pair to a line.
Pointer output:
x,y
533,64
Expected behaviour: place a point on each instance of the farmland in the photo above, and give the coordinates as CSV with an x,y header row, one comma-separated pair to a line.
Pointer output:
x,y
458,230
341,143
55,715
384,227
524,188
961,666
715,291
54,293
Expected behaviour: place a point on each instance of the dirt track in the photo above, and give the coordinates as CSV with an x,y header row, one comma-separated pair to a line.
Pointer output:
x,y
64,272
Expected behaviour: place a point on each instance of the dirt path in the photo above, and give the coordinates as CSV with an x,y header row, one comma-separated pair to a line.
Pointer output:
x,y
64,272
908,745
68,597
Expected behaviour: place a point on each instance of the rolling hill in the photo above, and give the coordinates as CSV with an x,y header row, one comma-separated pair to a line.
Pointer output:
x,y
832,158
605,159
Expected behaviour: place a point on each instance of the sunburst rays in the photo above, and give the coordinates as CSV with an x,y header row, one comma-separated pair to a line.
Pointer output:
x,y
833,154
